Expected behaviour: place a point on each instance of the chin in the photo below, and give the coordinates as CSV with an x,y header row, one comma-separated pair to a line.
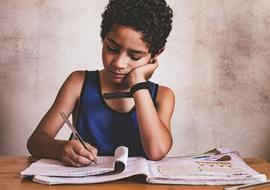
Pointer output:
x,y
118,80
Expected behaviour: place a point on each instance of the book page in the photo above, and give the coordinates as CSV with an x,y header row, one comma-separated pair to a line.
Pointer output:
x,y
105,164
121,157
121,154
203,170
135,166
49,167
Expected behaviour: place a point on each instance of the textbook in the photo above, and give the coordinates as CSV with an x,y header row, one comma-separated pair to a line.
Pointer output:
x,y
212,168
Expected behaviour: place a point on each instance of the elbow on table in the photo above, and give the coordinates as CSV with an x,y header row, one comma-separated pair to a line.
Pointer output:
x,y
156,155
32,146
29,146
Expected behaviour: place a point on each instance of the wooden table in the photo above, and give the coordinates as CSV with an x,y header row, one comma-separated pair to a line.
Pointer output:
x,y
10,179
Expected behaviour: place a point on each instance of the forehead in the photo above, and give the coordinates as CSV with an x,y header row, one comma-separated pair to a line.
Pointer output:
x,y
127,37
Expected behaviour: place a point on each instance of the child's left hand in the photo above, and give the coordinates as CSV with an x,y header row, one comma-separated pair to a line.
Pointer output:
x,y
142,73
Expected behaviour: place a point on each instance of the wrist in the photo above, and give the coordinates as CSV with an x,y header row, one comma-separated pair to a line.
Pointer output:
x,y
135,79
138,86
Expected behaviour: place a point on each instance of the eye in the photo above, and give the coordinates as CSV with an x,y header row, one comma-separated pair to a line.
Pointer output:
x,y
135,58
113,49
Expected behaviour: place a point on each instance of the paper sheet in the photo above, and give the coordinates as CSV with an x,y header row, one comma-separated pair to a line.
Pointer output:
x,y
49,167
134,166
202,171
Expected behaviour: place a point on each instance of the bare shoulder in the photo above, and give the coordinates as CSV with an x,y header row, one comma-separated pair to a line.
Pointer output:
x,y
76,77
165,94
73,84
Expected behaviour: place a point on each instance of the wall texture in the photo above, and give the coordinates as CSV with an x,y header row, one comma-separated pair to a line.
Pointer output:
x,y
217,61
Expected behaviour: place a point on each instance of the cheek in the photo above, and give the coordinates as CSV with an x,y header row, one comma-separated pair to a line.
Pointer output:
x,y
140,63
106,58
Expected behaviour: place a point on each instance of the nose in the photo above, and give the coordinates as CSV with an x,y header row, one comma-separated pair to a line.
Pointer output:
x,y
120,61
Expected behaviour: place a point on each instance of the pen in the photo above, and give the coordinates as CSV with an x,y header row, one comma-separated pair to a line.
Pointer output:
x,y
214,158
248,186
198,157
76,134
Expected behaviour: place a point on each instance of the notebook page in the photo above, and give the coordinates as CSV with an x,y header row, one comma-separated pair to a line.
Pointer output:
x,y
135,166
49,167
121,154
121,157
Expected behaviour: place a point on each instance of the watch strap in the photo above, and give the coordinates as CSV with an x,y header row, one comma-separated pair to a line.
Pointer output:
x,y
138,86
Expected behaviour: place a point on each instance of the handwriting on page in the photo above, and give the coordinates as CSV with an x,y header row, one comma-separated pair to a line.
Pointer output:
x,y
206,168
49,167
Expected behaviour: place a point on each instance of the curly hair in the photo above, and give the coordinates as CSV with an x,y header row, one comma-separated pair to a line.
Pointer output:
x,y
153,18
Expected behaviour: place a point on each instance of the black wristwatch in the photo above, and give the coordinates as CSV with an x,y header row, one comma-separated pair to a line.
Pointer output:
x,y
138,86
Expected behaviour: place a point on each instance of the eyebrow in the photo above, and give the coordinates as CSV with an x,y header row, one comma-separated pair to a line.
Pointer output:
x,y
132,50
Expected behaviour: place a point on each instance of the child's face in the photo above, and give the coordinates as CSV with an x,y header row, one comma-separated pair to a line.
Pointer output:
x,y
123,50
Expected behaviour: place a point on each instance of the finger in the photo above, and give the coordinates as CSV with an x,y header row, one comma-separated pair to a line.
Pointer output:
x,y
79,158
77,147
92,148
155,64
80,149
69,162
151,67
73,163
92,151
87,154
149,70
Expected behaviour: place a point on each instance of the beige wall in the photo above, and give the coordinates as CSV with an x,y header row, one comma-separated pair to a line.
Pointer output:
x,y
217,61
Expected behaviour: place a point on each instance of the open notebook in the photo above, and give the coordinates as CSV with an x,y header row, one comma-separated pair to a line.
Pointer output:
x,y
222,168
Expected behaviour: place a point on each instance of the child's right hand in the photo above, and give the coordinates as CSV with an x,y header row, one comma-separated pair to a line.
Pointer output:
x,y
142,73
74,154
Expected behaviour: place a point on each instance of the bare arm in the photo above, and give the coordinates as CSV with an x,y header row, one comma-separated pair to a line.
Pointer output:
x,y
42,143
154,120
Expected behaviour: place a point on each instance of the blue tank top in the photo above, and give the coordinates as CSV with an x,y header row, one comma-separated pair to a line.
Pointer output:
x,y
103,127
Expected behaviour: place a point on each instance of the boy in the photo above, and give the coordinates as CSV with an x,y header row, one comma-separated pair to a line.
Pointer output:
x,y
133,34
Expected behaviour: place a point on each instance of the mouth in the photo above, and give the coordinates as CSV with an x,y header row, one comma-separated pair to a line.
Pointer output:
x,y
118,75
